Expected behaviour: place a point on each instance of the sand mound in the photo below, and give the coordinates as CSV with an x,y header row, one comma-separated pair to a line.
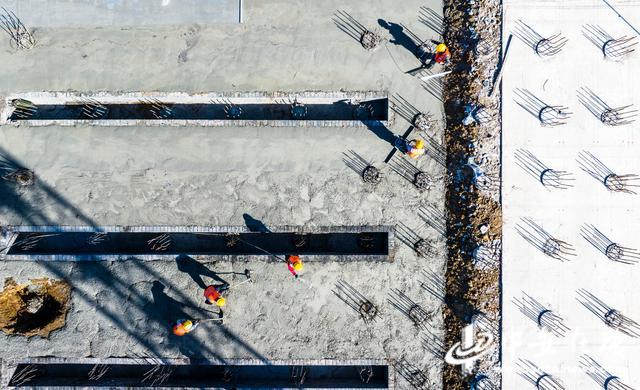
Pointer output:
x,y
34,309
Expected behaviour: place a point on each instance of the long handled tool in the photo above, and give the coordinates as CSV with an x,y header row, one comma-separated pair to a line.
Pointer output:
x,y
247,273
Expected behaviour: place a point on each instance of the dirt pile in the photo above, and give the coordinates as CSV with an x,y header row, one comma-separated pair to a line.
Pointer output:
x,y
34,309
474,218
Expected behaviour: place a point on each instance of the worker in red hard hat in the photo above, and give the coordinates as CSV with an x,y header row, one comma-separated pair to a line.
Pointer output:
x,y
183,327
213,294
294,264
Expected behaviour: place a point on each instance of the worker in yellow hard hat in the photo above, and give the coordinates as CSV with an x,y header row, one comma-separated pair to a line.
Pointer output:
x,y
442,54
183,327
415,148
294,264
213,294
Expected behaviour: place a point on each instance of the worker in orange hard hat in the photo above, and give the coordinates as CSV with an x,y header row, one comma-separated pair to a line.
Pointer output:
x,y
442,54
415,148
213,294
183,327
294,264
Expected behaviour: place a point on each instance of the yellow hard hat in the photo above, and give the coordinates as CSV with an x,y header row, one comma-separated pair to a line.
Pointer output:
x,y
221,302
298,266
441,48
419,144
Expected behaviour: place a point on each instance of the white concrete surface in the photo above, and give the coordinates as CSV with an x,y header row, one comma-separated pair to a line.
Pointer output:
x,y
562,212
101,13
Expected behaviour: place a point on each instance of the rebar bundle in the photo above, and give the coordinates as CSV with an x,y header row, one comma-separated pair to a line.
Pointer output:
x,y
365,169
613,251
369,39
548,177
603,174
543,241
609,316
355,300
20,36
610,116
544,317
600,375
547,114
614,48
409,308
540,379
542,46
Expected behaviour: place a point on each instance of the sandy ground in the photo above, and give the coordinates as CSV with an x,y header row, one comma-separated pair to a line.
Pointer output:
x,y
563,212
212,176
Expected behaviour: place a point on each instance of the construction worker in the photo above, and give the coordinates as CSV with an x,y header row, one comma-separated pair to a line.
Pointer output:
x,y
415,148
294,264
213,294
442,54
183,327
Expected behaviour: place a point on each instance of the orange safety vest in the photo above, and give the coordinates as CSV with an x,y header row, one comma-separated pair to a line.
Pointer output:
x,y
211,294
182,327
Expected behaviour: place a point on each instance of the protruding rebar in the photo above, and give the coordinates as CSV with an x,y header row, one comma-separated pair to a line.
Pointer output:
x,y
605,379
434,284
544,47
435,218
98,371
364,168
613,251
412,374
355,300
97,238
544,317
432,20
421,180
434,86
599,171
482,382
547,114
20,36
409,308
435,150
606,114
160,243
548,177
543,241
349,25
609,316
614,48
158,109
540,379
93,109
24,109
406,110
420,246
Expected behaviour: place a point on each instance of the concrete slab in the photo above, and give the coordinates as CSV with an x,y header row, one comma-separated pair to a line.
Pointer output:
x,y
102,13
193,176
562,212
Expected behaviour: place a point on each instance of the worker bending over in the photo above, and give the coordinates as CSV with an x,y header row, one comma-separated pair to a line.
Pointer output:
x,y
213,294
442,54
415,148
183,327
294,264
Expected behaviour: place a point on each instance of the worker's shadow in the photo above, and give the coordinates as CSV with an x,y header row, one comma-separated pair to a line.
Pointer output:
x,y
197,270
400,37
381,131
255,225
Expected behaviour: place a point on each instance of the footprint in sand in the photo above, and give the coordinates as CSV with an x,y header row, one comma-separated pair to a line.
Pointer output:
x,y
191,38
